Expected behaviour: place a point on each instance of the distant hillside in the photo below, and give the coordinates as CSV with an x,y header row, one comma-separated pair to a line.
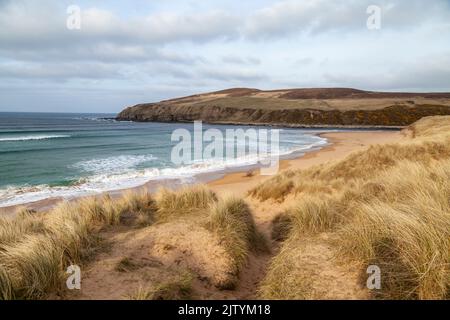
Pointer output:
x,y
295,107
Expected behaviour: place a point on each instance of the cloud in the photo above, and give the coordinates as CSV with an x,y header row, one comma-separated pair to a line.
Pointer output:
x,y
303,61
29,25
234,59
240,75
151,50
62,71
320,16
427,73
34,33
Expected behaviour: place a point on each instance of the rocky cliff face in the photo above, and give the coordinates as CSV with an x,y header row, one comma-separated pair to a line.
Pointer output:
x,y
219,108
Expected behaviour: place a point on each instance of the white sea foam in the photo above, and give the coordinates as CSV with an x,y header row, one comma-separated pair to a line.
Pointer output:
x,y
96,119
117,173
113,164
36,137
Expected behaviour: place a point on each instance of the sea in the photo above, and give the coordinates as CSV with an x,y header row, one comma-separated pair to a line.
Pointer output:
x,y
46,155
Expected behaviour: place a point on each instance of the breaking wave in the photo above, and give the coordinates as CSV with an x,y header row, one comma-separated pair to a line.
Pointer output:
x,y
123,172
37,137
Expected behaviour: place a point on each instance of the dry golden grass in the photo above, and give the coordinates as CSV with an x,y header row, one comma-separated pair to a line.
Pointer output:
x,y
232,220
314,214
179,288
34,266
281,226
6,290
138,208
187,200
126,264
430,144
285,279
36,249
276,188
388,206
405,230
12,230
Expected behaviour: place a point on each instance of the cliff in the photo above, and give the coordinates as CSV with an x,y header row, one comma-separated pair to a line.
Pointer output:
x,y
295,107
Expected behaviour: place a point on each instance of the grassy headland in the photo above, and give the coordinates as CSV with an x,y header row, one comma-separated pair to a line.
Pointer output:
x,y
296,107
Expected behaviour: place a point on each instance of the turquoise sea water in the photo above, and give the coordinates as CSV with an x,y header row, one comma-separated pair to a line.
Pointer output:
x,y
46,155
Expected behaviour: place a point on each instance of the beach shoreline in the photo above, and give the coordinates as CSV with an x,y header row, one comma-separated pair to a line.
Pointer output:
x,y
340,144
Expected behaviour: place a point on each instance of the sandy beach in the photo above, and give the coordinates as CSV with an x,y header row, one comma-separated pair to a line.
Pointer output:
x,y
340,145
238,183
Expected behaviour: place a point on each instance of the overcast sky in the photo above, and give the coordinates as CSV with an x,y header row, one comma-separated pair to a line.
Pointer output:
x,y
129,52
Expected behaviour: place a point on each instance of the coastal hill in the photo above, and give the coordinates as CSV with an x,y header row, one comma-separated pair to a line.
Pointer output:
x,y
307,107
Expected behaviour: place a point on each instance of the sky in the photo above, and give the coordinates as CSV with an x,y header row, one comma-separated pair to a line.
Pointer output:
x,y
129,52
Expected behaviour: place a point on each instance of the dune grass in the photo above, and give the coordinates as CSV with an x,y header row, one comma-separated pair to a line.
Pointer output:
x,y
430,144
12,230
387,206
277,189
35,249
178,288
286,278
405,230
281,226
231,219
126,265
6,289
185,201
34,266
135,208
313,214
